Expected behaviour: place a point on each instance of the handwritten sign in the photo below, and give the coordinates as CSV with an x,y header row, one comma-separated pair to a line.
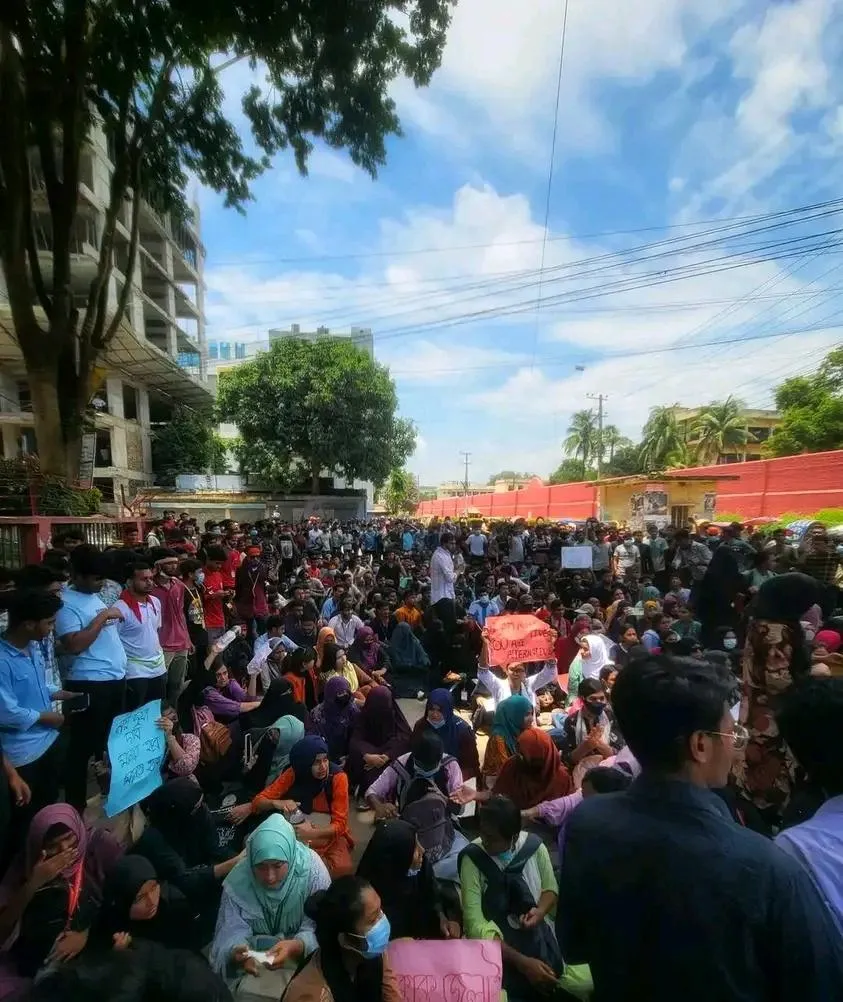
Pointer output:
x,y
136,749
454,970
576,558
516,639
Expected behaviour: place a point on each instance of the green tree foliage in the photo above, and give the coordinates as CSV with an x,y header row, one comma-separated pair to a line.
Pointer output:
x,y
510,475
186,444
147,70
570,471
626,462
307,406
661,439
612,441
582,438
400,493
719,428
812,411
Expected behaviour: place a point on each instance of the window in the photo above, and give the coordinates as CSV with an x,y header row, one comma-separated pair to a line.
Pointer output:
x,y
26,443
213,350
105,485
679,515
130,402
25,397
239,350
102,456
225,350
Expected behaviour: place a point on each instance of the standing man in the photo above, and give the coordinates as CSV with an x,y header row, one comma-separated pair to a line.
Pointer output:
x,y
666,862
627,560
95,664
250,581
442,578
173,632
477,546
29,723
658,550
215,593
146,670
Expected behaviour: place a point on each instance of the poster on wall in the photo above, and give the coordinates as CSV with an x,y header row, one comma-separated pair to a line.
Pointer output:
x,y
709,504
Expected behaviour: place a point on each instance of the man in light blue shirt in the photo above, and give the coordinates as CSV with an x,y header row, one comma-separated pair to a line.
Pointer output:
x,y
810,720
29,723
96,665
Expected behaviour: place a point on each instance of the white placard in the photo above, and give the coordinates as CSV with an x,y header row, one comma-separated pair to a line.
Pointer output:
x,y
576,558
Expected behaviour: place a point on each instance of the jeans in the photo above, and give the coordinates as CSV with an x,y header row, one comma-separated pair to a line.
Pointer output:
x,y
43,776
142,690
176,662
88,733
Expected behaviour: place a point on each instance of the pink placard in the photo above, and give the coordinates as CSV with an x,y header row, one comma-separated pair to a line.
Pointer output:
x,y
455,970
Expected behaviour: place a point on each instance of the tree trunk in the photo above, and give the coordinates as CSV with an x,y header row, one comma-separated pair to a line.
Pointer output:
x,y
43,389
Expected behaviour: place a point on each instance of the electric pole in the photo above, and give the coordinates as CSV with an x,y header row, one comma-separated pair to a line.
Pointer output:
x,y
467,459
599,397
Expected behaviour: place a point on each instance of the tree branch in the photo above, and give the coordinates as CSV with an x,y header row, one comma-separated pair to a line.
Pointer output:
x,y
100,341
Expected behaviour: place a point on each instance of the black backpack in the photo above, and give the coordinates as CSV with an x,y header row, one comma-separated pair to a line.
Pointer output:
x,y
424,803
506,898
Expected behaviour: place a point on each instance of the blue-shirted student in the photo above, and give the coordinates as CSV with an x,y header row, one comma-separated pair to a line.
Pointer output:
x,y
87,629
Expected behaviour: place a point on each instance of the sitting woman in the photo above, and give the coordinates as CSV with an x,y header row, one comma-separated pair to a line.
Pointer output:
x,y
380,734
410,662
262,907
457,736
286,732
182,747
311,783
50,895
369,653
180,841
509,894
335,663
512,716
398,868
334,717
588,736
411,777
535,773
300,672
227,699
138,905
352,933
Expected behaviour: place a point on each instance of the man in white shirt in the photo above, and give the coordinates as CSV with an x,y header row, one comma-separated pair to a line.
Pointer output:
x,y
442,578
346,624
477,546
627,559
516,682
146,671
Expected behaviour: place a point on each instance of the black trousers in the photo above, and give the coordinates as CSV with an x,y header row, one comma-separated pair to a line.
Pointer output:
x,y
88,734
142,690
43,776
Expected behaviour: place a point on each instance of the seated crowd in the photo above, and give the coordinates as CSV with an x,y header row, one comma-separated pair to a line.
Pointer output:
x,y
654,809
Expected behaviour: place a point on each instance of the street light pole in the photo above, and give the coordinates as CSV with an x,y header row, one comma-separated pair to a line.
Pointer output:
x,y
599,397
467,459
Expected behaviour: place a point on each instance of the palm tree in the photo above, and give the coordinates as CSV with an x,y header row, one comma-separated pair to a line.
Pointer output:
x,y
661,438
612,440
720,428
582,437
683,457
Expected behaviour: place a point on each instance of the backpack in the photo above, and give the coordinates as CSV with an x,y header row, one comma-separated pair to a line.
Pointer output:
x,y
427,807
505,899
214,737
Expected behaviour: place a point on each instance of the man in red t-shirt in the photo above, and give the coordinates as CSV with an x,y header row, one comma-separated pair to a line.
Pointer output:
x,y
175,640
216,593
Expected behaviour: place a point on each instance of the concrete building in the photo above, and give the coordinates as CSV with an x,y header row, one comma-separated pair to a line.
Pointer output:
x,y
156,360
759,425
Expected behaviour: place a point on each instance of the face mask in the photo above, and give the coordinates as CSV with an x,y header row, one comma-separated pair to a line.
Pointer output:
x,y
343,699
200,577
377,938
596,709
809,635
414,872
436,724
427,773
730,643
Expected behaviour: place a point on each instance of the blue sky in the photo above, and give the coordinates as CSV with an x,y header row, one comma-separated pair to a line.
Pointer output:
x,y
676,118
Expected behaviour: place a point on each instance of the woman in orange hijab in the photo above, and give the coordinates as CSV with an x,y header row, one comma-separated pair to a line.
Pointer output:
x,y
535,773
326,635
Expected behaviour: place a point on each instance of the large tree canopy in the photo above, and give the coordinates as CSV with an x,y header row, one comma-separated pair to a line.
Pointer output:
x,y
812,411
186,444
147,70
400,494
307,406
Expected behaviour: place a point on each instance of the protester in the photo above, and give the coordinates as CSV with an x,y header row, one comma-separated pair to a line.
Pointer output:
x,y
675,716
140,612
173,632
379,734
334,717
535,773
457,738
512,716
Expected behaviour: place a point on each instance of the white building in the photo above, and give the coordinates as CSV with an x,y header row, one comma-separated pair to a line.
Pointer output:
x,y
157,358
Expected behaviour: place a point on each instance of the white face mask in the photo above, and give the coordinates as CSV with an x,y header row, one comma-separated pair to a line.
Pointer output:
x,y
730,643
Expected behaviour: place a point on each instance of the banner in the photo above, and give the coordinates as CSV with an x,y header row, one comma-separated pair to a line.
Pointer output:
x,y
576,558
450,970
516,639
136,748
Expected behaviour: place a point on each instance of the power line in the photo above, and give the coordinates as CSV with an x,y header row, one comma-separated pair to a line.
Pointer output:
x,y
550,175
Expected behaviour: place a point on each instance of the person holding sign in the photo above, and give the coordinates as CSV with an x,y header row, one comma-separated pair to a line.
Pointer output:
x,y
502,642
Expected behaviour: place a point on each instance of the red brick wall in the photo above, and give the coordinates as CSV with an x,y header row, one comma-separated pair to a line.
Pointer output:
x,y
801,484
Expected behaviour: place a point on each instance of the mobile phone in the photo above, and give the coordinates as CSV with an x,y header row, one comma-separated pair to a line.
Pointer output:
x,y
77,704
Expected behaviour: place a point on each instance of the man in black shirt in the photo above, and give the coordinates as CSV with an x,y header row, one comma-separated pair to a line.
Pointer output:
x,y
661,892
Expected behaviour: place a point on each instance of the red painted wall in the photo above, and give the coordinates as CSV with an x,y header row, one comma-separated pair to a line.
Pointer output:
x,y
801,484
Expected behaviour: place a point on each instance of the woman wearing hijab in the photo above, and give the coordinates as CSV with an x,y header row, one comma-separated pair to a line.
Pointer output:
x,y
395,864
138,905
262,907
334,717
277,702
311,783
335,663
300,672
512,716
326,636
368,652
535,773
50,894
410,662
289,731
458,738
379,735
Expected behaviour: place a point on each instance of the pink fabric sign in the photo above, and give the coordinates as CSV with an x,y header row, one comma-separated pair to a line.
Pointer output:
x,y
456,970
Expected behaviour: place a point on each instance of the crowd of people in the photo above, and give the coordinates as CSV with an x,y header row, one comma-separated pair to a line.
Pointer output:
x,y
654,809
